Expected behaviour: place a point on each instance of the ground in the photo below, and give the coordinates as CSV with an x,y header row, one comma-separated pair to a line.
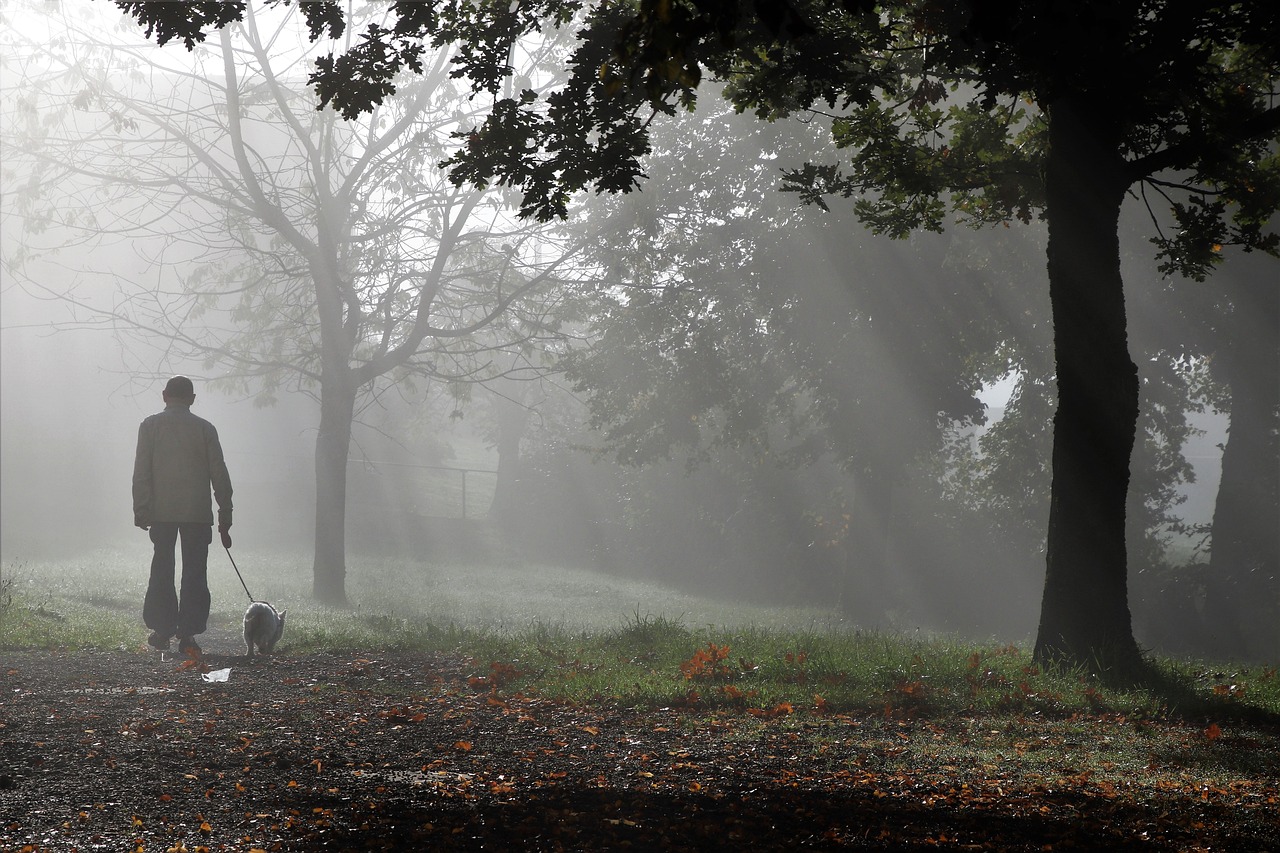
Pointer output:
x,y
131,751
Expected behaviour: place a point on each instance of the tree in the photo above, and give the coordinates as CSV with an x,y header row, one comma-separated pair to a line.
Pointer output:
x,y
997,111
1002,479
291,249
1242,607
706,347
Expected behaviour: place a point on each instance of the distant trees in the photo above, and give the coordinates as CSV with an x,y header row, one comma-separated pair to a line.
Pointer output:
x,y
994,111
742,333
736,324
1004,476
1240,344
285,248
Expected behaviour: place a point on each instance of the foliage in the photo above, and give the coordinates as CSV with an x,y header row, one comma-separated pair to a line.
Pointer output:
x,y
276,246
705,339
414,268
707,664
929,101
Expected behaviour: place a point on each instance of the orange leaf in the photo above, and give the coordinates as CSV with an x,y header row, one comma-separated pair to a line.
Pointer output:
x,y
464,745
1213,732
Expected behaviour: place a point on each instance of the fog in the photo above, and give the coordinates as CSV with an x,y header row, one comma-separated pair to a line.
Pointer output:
x,y
70,413
70,409
436,474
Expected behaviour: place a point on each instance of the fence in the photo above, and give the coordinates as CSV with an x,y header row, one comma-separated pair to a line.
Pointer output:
x,y
429,491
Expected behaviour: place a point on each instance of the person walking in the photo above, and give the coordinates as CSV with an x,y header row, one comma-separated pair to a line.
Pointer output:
x,y
178,461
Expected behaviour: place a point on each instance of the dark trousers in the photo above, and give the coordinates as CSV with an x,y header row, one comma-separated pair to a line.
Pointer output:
x,y
163,610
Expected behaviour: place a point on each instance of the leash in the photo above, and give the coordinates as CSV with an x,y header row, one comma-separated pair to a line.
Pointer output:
x,y
237,568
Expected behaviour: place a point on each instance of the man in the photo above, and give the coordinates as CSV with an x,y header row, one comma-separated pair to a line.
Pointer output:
x,y
178,460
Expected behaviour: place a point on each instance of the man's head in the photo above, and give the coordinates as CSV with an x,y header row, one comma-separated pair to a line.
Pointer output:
x,y
179,390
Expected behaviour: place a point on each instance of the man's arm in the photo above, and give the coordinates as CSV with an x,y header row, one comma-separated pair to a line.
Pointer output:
x,y
142,486
221,480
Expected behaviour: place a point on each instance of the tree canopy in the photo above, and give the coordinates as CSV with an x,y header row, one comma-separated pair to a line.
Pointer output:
x,y
990,112
283,249
940,105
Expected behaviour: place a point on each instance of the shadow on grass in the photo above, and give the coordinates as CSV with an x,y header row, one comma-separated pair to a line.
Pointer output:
x,y
1184,699
569,817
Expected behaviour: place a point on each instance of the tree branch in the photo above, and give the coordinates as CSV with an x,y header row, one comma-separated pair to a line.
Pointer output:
x,y
1185,155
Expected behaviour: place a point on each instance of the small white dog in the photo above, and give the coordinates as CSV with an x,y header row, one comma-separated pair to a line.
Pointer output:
x,y
262,627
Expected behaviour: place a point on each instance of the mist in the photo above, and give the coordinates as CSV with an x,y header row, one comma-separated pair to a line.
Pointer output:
x,y
890,467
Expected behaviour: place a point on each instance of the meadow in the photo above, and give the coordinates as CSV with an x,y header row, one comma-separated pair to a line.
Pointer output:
x,y
468,706
580,635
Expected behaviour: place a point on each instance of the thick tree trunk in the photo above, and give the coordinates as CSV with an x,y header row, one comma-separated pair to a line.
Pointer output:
x,y
333,445
1084,617
1244,559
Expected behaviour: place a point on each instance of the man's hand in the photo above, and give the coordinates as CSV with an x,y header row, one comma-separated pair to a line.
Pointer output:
x,y
224,530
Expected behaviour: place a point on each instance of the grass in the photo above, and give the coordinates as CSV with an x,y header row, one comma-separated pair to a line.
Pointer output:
x,y
934,717
588,638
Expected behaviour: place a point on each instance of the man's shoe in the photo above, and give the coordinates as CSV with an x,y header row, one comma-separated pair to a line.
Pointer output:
x,y
188,646
158,641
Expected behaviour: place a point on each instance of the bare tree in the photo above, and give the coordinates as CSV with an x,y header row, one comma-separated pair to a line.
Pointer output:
x,y
281,246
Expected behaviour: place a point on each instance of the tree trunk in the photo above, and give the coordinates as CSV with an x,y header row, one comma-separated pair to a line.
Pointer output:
x,y
338,389
512,418
1084,616
1244,559
333,445
867,591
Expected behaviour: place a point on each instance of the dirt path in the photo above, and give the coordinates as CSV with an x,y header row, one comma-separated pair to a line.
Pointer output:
x,y
125,751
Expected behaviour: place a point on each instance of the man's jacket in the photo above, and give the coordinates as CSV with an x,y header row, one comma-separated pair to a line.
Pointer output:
x,y
178,459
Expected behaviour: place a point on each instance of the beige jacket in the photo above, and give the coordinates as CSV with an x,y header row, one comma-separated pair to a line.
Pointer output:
x,y
178,458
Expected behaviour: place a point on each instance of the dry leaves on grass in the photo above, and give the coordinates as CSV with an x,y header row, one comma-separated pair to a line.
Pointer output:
x,y
429,752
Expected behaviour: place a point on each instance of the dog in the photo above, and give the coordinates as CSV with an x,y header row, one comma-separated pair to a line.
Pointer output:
x,y
262,627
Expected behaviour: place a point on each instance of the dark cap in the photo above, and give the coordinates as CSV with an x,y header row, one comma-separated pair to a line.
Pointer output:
x,y
180,386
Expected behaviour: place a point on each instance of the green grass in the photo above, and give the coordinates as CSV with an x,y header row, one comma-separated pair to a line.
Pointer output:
x,y
946,716
395,602
589,638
